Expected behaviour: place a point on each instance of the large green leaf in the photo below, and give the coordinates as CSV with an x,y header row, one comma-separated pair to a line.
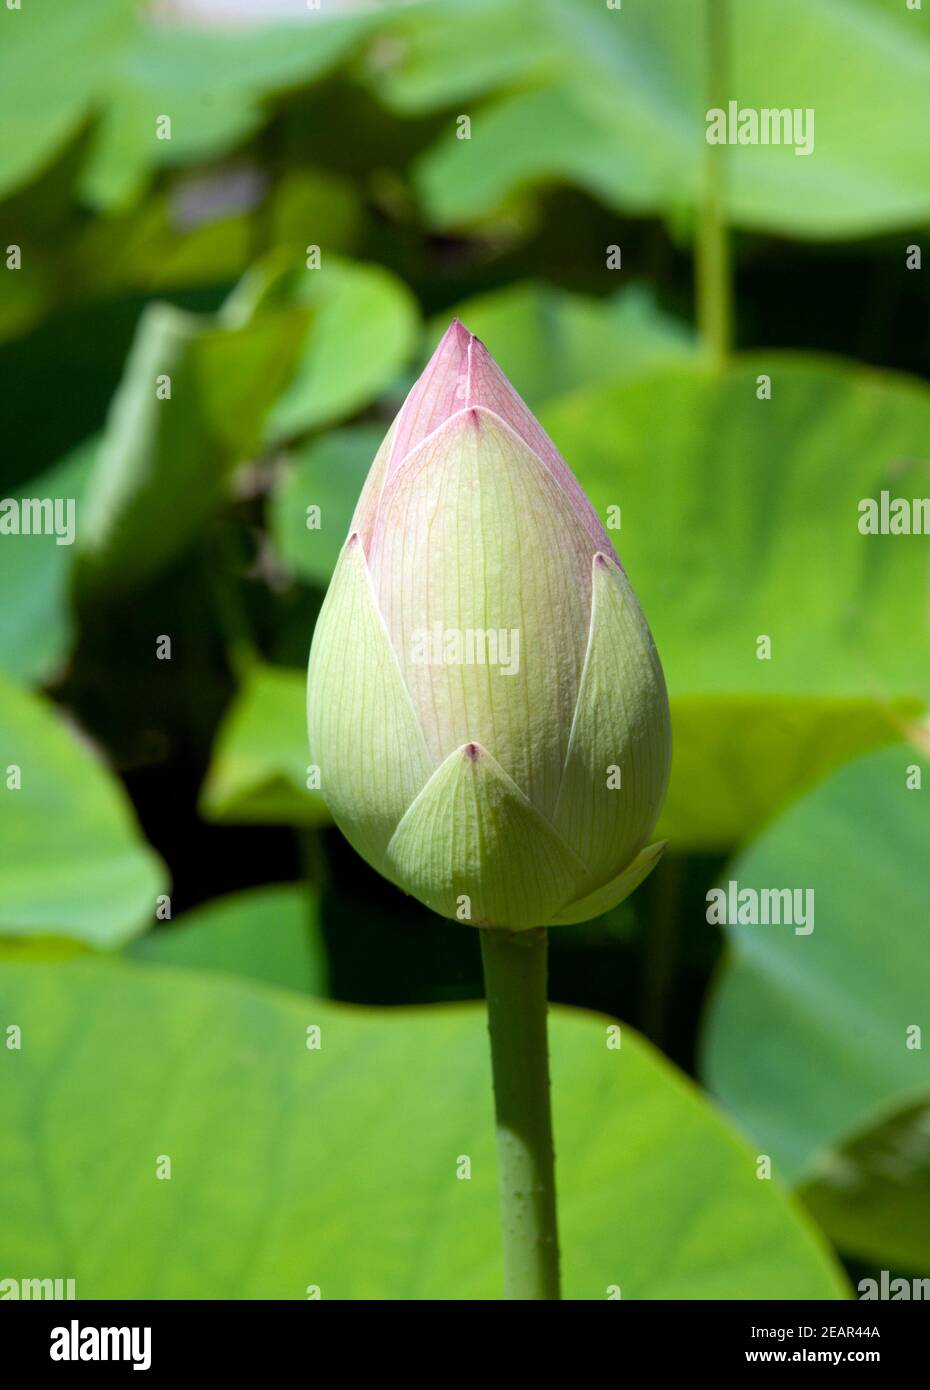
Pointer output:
x,y
327,473
53,60
586,340
211,82
35,615
363,325
457,50
872,1193
622,112
261,758
164,462
267,934
807,1037
61,63
466,181
336,1167
740,520
74,863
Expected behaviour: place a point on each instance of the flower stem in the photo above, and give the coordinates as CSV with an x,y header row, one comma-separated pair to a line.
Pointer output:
x,y
714,274
515,984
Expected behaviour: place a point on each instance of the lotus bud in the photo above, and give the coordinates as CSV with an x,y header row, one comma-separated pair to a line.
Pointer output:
x,y
486,704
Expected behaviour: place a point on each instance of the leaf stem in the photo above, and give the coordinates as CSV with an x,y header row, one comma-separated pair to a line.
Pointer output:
x,y
713,262
515,984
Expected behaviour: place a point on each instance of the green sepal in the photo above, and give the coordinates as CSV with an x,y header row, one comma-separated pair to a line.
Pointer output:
x,y
617,765
474,848
612,893
364,734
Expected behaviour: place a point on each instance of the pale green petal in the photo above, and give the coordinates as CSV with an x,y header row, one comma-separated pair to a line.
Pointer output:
x,y
475,535
608,896
364,733
472,847
621,733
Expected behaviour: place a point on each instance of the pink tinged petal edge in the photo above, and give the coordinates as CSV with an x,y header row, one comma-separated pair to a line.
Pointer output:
x,y
462,375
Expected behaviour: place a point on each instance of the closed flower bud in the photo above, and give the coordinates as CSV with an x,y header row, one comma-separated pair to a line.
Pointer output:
x,y
486,704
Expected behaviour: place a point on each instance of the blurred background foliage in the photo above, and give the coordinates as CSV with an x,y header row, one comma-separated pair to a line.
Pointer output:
x,y
331,136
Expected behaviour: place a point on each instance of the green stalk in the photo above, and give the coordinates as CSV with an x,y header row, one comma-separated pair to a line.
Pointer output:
x,y
515,984
714,271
